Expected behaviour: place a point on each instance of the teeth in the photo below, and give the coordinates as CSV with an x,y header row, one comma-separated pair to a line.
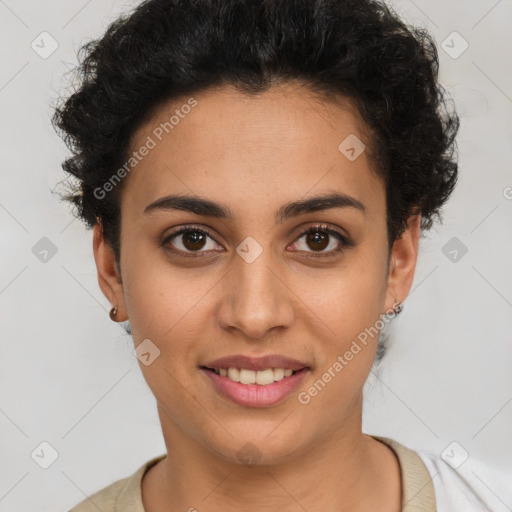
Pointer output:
x,y
264,377
234,374
247,376
261,377
278,374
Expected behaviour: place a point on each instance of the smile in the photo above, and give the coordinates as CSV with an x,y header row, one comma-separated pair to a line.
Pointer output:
x,y
255,381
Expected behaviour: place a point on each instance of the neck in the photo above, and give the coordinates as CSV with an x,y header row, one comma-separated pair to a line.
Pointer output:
x,y
346,471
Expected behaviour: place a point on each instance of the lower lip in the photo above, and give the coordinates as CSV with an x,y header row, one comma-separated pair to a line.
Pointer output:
x,y
255,395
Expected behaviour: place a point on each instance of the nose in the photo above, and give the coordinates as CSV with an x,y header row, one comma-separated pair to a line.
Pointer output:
x,y
255,299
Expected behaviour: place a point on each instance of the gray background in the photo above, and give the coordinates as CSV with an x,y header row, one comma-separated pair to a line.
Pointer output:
x,y
68,375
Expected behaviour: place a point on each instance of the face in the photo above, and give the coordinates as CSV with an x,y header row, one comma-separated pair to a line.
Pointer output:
x,y
247,282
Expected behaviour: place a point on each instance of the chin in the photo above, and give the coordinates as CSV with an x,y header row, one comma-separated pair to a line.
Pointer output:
x,y
259,447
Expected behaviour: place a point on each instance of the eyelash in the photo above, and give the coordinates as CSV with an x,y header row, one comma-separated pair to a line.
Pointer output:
x,y
312,229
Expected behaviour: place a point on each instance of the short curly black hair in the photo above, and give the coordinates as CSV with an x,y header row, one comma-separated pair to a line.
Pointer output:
x,y
355,49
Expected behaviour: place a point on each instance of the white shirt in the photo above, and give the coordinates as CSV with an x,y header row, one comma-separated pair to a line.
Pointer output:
x,y
471,487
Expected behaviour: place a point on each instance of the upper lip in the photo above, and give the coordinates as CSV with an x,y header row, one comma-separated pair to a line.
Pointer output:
x,y
257,363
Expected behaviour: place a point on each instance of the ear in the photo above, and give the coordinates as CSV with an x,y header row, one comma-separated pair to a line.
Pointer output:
x,y
402,263
108,276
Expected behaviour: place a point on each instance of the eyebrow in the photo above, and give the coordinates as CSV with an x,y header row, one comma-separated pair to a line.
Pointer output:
x,y
207,208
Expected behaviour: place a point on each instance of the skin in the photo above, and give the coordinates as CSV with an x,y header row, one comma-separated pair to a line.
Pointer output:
x,y
254,154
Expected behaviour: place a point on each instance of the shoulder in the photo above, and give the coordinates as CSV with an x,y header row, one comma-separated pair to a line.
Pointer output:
x,y
471,486
123,495
460,482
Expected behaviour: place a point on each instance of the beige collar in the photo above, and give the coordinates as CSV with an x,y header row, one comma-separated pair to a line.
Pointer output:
x,y
417,488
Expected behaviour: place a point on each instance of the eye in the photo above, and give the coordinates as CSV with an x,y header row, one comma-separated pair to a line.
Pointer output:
x,y
319,238
190,240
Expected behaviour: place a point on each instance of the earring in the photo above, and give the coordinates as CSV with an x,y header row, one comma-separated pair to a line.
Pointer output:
x,y
397,307
113,313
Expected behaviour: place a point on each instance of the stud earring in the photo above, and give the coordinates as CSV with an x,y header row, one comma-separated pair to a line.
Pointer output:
x,y
397,307
113,313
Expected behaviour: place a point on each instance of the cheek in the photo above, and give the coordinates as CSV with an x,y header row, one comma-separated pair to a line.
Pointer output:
x,y
172,307
156,294
352,310
161,301
350,303
164,307
349,298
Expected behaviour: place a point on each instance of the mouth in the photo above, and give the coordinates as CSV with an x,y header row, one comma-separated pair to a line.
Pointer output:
x,y
255,382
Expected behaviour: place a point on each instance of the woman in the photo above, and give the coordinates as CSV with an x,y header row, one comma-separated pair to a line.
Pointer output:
x,y
257,175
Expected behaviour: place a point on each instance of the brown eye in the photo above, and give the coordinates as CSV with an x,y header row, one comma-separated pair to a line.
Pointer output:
x,y
317,240
188,241
193,240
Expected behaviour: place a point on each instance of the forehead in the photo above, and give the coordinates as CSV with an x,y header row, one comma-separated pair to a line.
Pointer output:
x,y
251,149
